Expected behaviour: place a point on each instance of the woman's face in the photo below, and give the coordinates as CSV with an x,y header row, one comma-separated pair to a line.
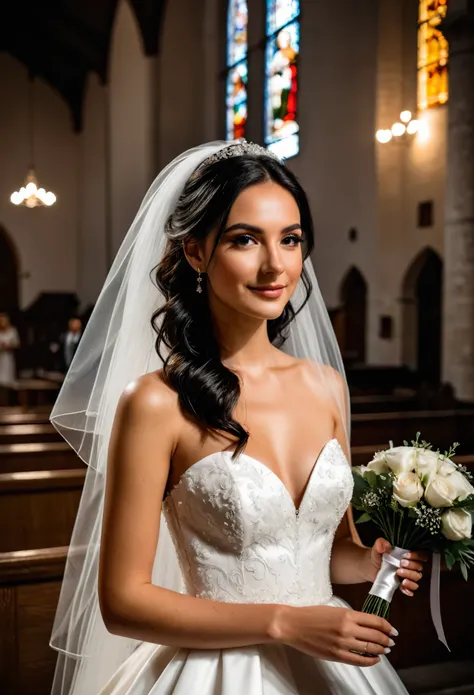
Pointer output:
x,y
259,249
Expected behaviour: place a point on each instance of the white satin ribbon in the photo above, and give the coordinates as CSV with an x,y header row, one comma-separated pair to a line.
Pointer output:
x,y
435,605
387,582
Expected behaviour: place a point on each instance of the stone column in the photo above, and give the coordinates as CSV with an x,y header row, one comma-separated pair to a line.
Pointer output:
x,y
458,322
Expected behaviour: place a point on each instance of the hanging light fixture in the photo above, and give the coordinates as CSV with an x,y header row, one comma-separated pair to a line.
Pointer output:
x,y
407,125
30,194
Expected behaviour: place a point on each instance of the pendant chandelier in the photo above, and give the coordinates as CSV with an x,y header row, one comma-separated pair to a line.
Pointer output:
x,y
31,195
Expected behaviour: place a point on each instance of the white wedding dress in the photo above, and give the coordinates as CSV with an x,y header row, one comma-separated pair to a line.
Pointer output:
x,y
240,539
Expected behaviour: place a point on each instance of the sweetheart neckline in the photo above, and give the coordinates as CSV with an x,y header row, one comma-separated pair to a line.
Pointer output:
x,y
296,509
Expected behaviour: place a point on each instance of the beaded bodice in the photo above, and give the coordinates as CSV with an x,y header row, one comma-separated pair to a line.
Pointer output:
x,y
240,538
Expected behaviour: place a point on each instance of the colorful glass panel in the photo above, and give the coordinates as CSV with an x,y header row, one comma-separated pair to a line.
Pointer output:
x,y
236,92
237,101
237,21
280,13
281,125
433,51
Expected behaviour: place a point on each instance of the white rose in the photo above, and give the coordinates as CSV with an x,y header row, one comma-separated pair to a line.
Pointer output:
x,y
401,459
456,524
378,465
460,485
445,467
407,489
439,492
427,464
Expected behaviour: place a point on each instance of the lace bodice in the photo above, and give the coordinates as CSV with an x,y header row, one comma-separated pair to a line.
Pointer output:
x,y
240,538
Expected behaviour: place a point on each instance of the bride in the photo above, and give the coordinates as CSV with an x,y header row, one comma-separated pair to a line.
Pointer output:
x,y
208,398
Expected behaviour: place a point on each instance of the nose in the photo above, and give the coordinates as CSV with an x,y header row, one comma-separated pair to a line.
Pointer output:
x,y
272,261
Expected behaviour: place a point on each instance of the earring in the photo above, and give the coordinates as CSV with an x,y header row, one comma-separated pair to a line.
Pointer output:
x,y
199,280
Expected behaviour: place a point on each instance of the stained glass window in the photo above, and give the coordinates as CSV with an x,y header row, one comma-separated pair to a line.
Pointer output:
x,y
281,93
432,54
236,100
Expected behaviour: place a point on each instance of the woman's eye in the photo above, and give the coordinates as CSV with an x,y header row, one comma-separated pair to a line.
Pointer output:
x,y
242,240
294,239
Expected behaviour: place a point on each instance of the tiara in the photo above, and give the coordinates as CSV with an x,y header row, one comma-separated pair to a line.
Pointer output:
x,y
241,147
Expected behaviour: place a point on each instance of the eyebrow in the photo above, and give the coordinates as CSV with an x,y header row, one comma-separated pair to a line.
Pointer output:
x,y
259,230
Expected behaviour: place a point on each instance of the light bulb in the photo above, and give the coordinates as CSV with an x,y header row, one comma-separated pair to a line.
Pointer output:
x,y
49,198
413,127
398,129
383,136
16,198
405,116
31,188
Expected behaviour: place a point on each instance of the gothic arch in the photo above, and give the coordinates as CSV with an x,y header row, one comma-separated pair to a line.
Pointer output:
x,y
353,319
422,292
9,274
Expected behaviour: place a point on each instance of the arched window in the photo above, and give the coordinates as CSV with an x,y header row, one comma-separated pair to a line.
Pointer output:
x,y
432,54
236,100
281,63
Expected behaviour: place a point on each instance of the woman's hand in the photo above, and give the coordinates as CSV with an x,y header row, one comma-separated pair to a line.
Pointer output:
x,y
335,633
410,571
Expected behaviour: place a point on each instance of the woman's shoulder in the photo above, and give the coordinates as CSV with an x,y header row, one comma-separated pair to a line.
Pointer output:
x,y
150,396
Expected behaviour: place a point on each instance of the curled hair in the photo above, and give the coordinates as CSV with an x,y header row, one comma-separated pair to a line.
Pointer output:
x,y
207,390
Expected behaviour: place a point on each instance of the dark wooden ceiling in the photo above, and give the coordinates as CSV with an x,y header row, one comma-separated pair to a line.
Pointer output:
x,y
61,41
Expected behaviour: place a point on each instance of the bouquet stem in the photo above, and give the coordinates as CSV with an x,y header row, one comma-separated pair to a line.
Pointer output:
x,y
376,606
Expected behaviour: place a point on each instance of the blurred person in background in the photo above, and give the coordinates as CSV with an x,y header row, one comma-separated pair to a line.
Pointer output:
x,y
67,344
9,342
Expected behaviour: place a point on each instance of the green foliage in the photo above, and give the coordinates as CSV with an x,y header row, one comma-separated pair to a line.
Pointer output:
x,y
363,518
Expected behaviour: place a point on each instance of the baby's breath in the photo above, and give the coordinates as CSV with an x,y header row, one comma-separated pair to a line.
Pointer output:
x,y
371,499
428,518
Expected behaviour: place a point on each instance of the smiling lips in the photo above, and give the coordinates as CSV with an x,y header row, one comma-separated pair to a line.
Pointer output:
x,y
269,290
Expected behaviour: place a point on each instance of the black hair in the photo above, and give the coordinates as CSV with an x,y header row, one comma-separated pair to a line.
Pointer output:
x,y
207,390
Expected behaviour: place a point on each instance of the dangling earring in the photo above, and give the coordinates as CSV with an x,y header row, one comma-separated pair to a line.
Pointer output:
x,y
199,280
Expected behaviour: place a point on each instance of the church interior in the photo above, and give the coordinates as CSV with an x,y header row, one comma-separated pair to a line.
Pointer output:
x,y
371,105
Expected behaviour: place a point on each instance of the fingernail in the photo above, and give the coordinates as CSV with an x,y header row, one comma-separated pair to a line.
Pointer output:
x,y
391,643
405,563
387,650
394,632
407,555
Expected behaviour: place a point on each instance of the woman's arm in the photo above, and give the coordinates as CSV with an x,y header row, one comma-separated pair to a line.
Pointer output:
x,y
145,433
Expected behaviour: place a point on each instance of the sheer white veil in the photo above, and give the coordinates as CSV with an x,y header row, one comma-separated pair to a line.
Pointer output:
x,y
118,346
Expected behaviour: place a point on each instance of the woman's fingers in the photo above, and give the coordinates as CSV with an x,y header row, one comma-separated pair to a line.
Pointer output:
x,y
365,634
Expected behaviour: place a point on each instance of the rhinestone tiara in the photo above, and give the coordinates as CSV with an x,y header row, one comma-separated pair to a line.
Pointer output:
x,y
241,147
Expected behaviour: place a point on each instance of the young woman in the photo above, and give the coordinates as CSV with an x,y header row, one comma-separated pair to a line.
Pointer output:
x,y
213,411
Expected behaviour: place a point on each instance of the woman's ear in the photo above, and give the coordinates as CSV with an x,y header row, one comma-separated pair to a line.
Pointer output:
x,y
194,255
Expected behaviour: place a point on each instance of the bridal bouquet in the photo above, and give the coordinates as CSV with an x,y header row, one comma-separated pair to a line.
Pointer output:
x,y
421,500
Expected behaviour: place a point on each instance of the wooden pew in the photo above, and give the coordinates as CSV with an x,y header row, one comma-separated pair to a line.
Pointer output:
x,y
376,403
37,457
23,434
30,581
19,416
38,508
440,427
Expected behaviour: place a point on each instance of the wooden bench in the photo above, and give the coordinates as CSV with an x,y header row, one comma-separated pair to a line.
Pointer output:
x,y
34,392
38,508
440,427
389,403
30,581
19,416
23,434
37,457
